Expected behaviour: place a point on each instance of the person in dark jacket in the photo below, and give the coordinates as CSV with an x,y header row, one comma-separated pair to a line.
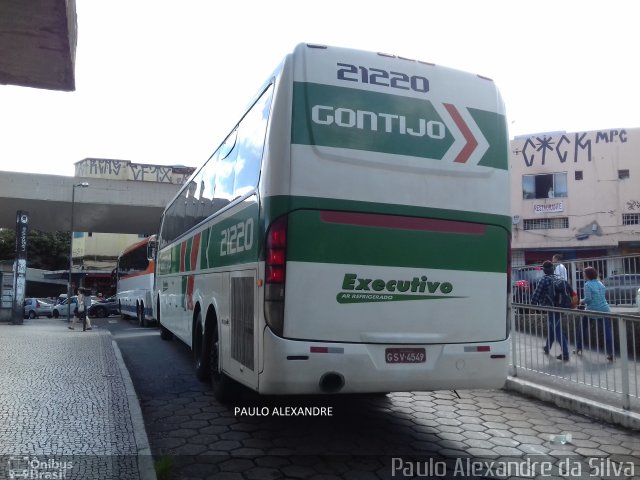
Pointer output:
x,y
543,295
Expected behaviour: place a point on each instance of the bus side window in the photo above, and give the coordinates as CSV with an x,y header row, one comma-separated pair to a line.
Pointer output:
x,y
191,206
251,138
225,173
207,186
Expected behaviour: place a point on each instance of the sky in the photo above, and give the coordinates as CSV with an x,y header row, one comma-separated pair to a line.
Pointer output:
x,y
162,82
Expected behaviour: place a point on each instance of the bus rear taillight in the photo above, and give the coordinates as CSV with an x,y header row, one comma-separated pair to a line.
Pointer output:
x,y
275,269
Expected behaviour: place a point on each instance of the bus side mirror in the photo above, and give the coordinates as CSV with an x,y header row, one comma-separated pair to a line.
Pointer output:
x,y
151,250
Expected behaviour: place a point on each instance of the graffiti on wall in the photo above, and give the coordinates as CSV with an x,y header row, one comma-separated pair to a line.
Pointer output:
x,y
150,173
573,147
125,170
102,167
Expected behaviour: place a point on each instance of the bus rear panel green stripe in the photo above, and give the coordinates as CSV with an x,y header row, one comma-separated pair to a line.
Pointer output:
x,y
310,239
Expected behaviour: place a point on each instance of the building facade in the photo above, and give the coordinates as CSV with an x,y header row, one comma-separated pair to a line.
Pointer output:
x,y
95,254
577,194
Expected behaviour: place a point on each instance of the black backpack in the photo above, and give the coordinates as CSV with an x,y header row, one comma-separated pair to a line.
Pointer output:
x,y
560,293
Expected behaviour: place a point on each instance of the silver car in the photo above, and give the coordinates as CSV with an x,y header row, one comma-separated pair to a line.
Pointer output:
x,y
35,307
622,289
62,309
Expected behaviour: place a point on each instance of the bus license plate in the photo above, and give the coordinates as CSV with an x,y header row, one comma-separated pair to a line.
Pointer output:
x,y
405,355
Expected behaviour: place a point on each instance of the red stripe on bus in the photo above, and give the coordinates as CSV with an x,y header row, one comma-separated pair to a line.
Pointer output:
x,y
183,249
195,246
402,223
472,143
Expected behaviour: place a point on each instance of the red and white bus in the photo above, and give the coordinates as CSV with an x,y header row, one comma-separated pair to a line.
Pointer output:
x,y
135,270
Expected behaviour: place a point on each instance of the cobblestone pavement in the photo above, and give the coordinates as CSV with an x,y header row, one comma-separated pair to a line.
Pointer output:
x,y
419,434
64,407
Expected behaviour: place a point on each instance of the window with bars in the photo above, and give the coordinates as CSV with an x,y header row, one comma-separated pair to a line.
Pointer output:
x,y
545,223
631,219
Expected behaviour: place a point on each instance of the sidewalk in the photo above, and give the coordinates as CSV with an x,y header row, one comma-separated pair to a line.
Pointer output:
x,y
586,384
67,405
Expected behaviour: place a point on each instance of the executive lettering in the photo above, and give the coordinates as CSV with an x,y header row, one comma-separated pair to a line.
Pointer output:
x,y
422,284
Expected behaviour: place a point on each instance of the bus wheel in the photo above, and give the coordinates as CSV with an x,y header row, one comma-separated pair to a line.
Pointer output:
x,y
223,387
165,333
201,354
140,314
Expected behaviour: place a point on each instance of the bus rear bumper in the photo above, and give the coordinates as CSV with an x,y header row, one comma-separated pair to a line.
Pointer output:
x,y
303,367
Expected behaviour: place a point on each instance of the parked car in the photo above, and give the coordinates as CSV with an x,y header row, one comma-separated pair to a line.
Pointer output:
x,y
622,289
36,307
61,309
104,308
520,291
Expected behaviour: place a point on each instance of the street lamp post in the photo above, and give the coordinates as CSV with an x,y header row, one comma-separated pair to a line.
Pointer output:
x,y
69,293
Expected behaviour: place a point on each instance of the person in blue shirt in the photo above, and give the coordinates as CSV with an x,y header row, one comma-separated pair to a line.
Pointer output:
x,y
594,299
543,296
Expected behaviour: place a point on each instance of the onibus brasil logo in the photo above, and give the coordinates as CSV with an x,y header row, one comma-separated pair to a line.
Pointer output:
x,y
357,289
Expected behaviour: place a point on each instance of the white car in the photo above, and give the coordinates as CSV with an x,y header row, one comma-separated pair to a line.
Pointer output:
x,y
62,309
34,307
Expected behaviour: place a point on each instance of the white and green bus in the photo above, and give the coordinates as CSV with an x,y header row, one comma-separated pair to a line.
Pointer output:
x,y
351,233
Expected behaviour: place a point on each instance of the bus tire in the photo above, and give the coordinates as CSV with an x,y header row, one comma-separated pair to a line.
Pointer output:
x,y
140,314
224,388
165,333
201,355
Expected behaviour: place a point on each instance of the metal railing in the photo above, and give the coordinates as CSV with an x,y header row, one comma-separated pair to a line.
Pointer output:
x,y
620,275
602,348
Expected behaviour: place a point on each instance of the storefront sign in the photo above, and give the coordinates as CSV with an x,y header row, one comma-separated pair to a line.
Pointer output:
x,y
549,207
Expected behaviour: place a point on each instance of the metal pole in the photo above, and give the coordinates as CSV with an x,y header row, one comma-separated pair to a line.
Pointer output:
x,y
69,293
624,362
73,194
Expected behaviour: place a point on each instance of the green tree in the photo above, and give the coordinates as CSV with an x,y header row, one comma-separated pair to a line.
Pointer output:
x,y
45,250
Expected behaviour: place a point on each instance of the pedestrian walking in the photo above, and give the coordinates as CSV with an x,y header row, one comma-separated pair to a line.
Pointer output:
x,y
560,270
86,325
76,314
595,300
547,293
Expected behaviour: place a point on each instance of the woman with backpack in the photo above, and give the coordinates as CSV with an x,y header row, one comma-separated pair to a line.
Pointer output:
x,y
594,299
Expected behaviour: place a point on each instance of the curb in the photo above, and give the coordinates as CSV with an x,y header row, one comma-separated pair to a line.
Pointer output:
x,y
574,403
145,459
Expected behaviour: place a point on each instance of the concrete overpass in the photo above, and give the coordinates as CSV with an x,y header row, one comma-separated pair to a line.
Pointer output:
x,y
38,43
107,206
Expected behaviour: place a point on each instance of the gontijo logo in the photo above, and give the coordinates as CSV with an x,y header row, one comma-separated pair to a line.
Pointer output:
x,y
356,289
361,119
